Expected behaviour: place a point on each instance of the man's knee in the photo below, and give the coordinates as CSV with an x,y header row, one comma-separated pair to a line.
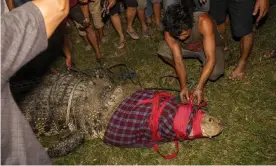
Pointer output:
x,y
216,74
164,50
142,4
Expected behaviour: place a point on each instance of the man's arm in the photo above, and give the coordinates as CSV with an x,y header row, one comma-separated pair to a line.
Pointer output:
x,y
206,28
178,64
25,30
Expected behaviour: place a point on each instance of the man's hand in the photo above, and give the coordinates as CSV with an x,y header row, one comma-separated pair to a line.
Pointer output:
x,y
111,3
197,96
184,95
261,7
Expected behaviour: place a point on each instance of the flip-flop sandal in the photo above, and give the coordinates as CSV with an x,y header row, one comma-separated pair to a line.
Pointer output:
x,y
121,45
146,33
133,35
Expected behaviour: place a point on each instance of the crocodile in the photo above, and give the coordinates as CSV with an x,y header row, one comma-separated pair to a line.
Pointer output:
x,y
81,106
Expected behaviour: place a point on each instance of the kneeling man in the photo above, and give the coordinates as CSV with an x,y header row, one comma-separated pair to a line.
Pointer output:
x,y
191,34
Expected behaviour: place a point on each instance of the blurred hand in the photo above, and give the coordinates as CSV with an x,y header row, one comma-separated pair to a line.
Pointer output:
x,y
197,96
261,7
184,95
111,3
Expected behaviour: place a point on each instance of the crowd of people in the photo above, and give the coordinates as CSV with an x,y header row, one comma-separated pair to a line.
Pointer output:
x,y
192,28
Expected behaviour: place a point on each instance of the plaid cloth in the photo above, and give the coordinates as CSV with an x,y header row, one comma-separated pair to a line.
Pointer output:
x,y
129,125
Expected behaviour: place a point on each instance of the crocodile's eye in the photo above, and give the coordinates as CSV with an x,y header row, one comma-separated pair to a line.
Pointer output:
x,y
210,120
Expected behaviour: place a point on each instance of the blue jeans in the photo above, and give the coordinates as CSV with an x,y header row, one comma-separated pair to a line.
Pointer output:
x,y
18,3
149,10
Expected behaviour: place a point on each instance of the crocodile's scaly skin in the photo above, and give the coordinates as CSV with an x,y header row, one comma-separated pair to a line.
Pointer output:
x,y
46,107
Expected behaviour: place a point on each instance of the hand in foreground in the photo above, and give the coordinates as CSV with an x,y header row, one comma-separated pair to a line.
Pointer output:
x,y
197,96
261,7
184,95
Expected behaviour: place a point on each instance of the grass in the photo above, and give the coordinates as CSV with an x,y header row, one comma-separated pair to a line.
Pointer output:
x,y
246,108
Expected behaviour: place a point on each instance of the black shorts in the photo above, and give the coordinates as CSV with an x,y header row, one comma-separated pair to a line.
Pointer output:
x,y
75,13
240,12
131,3
115,9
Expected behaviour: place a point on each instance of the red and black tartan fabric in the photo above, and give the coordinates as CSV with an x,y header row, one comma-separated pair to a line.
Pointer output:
x,y
129,125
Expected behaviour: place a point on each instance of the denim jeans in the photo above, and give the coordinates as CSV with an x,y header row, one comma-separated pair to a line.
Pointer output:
x,y
149,10
18,3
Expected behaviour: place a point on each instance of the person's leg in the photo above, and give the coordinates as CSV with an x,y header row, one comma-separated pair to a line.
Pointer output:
x,y
95,10
77,15
218,11
149,12
141,15
157,13
220,63
130,15
92,38
242,27
83,35
165,53
67,52
116,21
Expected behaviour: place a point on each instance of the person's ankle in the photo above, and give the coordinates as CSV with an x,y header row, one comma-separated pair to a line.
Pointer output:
x,y
130,28
122,38
241,65
157,22
99,55
144,28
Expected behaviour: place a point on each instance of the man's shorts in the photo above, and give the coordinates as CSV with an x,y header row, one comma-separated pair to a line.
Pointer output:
x,y
115,9
240,12
140,4
75,13
95,10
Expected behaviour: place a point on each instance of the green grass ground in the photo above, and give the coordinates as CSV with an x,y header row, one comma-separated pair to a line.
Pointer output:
x,y
246,108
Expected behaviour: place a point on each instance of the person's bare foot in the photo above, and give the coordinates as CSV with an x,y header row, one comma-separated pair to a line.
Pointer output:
x,y
270,54
239,72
